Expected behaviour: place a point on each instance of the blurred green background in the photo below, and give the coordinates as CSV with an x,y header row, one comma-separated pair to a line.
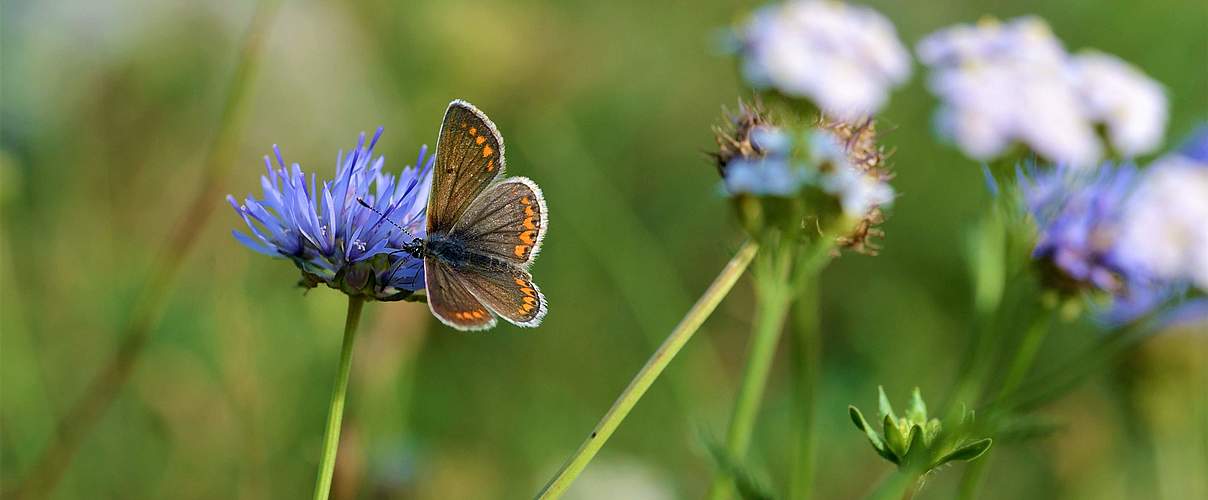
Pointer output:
x,y
109,109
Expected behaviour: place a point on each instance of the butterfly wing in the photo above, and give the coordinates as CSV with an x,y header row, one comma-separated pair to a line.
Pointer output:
x,y
507,222
450,300
508,292
469,156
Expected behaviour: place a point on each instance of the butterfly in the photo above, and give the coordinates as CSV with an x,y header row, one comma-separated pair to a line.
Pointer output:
x,y
484,229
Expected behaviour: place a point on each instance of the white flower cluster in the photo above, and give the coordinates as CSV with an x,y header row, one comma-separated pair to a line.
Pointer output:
x,y
1002,83
1165,227
844,58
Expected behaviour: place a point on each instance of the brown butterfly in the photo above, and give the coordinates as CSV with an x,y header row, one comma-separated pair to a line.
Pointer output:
x,y
484,230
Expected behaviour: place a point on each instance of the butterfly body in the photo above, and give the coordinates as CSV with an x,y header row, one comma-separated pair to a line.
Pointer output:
x,y
484,229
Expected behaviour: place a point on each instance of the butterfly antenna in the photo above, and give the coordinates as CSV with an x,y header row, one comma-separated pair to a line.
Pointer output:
x,y
384,218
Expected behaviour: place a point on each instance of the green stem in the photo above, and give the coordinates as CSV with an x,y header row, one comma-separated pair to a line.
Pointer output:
x,y
806,361
774,297
335,413
902,484
1025,357
658,361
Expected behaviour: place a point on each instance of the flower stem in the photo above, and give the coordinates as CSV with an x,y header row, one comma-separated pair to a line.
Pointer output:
x,y
902,484
650,372
335,413
806,361
774,298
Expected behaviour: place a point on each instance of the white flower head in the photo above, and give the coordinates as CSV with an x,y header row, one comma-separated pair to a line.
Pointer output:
x,y
1132,105
845,58
1165,227
1014,82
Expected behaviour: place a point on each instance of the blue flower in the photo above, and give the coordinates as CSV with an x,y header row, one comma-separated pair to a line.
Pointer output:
x,y
329,235
1078,214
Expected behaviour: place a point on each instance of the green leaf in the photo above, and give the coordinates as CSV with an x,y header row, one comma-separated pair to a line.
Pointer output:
x,y
874,439
968,452
918,409
883,401
896,441
916,451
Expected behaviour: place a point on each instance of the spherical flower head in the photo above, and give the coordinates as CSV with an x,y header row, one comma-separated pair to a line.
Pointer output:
x,y
326,231
1013,83
1165,229
830,171
1131,105
844,58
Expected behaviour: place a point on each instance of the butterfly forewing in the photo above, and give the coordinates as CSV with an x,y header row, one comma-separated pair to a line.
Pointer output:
x,y
506,222
469,155
509,292
451,302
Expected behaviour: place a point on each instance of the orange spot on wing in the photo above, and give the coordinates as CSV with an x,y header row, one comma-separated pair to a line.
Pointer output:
x,y
528,210
530,300
521,250
480,139
528,223
478,314
487,151
491,165
527,237
473,131
528,292
526,201
520,282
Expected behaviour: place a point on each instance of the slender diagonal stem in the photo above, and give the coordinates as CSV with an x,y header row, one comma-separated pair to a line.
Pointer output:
x,y
650,371
83,415
335,413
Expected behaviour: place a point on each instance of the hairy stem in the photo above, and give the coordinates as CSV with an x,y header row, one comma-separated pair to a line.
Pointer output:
x,y
650,372
335,412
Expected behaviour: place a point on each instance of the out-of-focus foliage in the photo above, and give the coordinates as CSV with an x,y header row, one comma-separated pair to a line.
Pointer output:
x,y
108,109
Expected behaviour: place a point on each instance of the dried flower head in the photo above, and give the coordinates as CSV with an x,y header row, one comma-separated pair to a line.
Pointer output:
x,y
734,137
864,181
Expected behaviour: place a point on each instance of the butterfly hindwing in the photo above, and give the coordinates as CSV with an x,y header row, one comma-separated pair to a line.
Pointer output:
x,y
450,300
510,293
507,222
469,156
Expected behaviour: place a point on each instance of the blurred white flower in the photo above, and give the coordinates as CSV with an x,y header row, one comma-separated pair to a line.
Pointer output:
x,y
844,58
1132,105
1165,228
1003,83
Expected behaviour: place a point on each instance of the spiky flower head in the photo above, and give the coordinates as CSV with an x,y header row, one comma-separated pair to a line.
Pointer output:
x,y
329,235
858,143
828,173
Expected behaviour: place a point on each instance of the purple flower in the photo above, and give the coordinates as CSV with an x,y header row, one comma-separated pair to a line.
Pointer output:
x,y
1078,214
325,231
